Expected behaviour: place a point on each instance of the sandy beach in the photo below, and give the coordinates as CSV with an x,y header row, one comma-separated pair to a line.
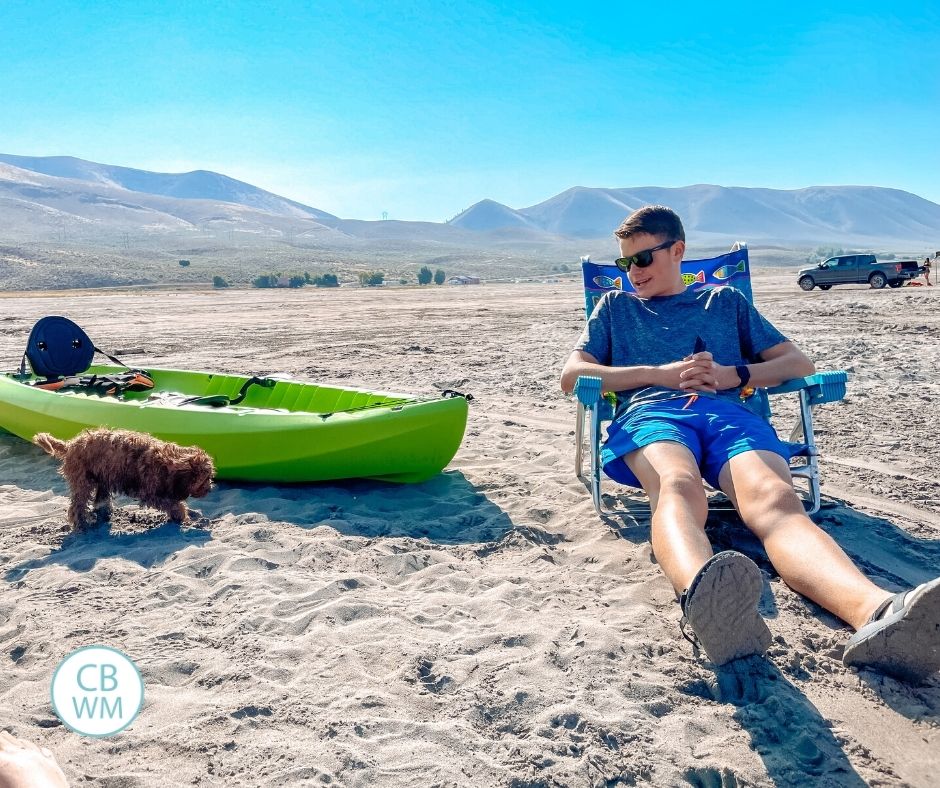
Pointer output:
x,y
484,628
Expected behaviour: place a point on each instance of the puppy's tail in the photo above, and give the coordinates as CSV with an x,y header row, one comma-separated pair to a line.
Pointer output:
x,y
54,446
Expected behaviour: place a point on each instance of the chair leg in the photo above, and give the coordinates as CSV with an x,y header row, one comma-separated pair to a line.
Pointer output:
x,y
579,442
588,417
810,472
595,429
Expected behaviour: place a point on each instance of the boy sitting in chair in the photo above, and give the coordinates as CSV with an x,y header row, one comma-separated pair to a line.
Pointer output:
x,y
682,363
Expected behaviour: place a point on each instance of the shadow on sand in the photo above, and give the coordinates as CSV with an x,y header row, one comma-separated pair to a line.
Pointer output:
x,y
447,509
81,551
793,739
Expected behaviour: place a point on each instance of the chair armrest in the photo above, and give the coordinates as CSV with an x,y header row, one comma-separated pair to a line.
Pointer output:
x,y
588,390
821,387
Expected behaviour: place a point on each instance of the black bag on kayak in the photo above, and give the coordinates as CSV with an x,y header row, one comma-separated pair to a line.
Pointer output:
x,y
58,350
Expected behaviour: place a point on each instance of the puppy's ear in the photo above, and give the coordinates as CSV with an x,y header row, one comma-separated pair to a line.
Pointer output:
x,y
179,464
200,462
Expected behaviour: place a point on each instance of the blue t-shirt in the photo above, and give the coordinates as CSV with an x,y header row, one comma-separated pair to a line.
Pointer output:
x,y
627,331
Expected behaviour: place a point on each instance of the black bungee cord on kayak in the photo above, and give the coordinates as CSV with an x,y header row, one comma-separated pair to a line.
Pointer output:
x,y
223,400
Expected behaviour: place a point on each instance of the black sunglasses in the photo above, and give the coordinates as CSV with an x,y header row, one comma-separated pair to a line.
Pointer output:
x,y
641,259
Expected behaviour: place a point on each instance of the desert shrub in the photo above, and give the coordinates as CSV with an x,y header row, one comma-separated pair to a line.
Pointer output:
x,y
296,280
439,276
265,280
371,278
219,281
184,263
326,280
425,275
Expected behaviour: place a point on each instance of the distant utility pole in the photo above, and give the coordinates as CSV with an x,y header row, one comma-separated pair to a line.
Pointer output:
x,y
384,216
127,244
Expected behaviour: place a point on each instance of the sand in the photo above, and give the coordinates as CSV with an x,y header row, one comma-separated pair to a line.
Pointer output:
x,y
483,628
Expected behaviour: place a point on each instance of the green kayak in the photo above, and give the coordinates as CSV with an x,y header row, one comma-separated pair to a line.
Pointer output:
x,y
279,431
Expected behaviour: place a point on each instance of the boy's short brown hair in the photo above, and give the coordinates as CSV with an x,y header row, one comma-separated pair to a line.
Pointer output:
x,y
652,220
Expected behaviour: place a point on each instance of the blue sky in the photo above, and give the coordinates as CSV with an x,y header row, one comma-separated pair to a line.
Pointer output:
x,y
420,109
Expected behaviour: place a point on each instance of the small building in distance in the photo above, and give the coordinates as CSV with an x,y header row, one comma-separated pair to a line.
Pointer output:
x,y
464,280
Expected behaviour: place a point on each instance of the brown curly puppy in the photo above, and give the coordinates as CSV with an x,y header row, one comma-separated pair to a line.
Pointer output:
x,y
99,462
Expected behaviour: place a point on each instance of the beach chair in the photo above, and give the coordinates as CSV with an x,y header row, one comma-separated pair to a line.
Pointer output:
x,y
596,409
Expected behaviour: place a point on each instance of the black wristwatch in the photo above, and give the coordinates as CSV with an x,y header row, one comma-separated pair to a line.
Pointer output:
x,y
744,373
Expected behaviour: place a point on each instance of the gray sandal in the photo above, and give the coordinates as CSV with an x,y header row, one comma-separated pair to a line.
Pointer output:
x,y
720,606
902,637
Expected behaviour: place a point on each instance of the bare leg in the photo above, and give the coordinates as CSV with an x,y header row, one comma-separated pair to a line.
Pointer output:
x,y
808,560
25,765
671,478
720,595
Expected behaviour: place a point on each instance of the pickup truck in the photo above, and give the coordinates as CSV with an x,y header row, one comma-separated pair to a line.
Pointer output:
x,y
848,269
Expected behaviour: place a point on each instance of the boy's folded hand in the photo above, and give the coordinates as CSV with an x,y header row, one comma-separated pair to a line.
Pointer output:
x,y
696,373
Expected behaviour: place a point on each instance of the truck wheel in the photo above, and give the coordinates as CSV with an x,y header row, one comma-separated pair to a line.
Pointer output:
x,y
824,287
807,283
877,280
895,283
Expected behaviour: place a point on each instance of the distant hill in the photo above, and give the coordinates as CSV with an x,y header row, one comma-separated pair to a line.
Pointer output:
x,y
491,215
196,185
62,197
34,206
851,214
